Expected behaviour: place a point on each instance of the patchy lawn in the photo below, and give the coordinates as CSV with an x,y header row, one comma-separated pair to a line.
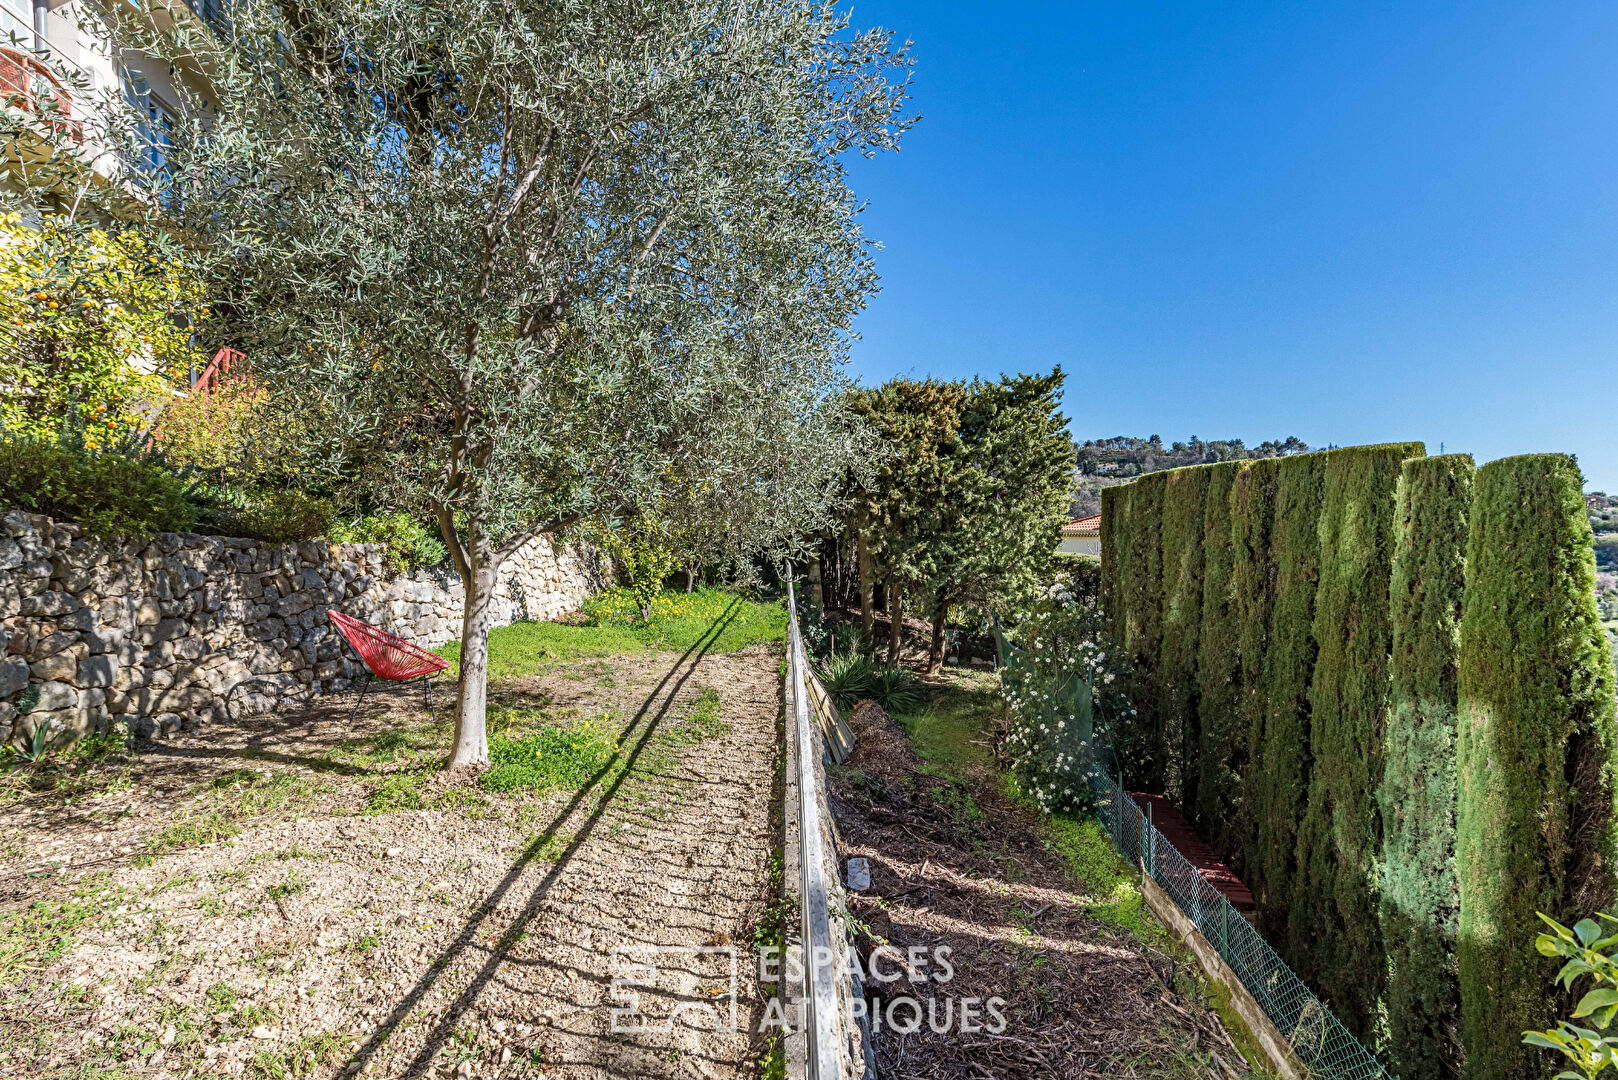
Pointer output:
x,y
1038,911
297,896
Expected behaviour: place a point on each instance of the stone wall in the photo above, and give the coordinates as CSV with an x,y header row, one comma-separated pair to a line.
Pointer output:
x,y
161,634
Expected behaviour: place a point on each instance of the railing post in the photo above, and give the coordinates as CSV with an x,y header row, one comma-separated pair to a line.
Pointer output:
x,y
1224,930
1150,842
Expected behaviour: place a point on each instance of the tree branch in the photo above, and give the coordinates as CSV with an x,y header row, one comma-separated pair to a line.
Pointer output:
x,y
509,548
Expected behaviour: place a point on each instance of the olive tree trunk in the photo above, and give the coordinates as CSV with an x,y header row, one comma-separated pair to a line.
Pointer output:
x,y
481,564
867,600
817,592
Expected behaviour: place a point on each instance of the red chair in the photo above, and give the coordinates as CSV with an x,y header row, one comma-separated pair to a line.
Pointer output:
x,y
387,657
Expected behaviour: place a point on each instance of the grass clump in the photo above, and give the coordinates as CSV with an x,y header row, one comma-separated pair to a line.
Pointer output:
x,y
45,930
1111,893
549,758
702,722
678,622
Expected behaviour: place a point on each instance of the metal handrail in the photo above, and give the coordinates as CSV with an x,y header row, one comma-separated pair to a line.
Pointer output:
x,y
821,1014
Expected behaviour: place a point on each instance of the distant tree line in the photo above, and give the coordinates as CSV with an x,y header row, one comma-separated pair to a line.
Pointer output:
x,y
1105,462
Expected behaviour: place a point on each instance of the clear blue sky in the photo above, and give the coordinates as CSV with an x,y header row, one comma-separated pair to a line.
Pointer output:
x,y
1349,222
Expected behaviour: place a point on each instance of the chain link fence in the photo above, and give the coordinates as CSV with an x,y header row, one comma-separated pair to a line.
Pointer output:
x,y
1320,1041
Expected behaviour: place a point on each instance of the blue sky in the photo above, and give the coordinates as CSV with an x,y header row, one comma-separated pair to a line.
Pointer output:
x,y
1349,222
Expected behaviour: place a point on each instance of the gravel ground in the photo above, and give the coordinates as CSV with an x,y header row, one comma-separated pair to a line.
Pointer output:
x,y
315,901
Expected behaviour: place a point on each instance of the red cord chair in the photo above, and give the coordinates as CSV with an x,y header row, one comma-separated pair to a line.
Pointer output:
x,y
387,657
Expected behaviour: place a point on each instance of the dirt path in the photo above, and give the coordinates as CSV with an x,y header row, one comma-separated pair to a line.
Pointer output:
x,y
372,920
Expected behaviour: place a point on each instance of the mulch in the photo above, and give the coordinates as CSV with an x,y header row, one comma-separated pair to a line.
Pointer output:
x,y
1081,998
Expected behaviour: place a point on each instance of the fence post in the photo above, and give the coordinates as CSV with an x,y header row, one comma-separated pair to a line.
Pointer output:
x,y
1150,842
1224,929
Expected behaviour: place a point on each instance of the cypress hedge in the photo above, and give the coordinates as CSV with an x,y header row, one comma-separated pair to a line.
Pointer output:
x,y
1419,902
1220,731
1114,557
1280,748
1252,600
1144,749
1185,495
1332,913
1535,756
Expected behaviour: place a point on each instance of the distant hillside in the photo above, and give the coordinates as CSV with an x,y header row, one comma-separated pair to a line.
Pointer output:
x,y
1105,462
1604,520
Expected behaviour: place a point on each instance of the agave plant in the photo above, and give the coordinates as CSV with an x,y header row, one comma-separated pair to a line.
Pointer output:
x,y
849,678
897,690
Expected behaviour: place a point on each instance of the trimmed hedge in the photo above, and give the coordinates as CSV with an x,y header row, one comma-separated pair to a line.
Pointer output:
x,y
1419,901
1252,596
1221,734
1146,760
1535,758
1348,700
1279,785
1185,496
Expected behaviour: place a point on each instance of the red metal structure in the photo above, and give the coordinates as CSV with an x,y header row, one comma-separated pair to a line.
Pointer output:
x,y
218,368
387,657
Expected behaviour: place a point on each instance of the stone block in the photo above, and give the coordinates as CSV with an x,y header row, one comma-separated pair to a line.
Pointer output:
x,y
97,671
48,603
147,612
10,555
168,630
56,695
58,667
51,644
13,676
189,648
80,618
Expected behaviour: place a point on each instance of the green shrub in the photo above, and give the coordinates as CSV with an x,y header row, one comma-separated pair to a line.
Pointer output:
x,y
1348,701
409,543
110,493
276,515
1185,497
1279,781
1589,949
1535,756
1220,731
1419,901
897,689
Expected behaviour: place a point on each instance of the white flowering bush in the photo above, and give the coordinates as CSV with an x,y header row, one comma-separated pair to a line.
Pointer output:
x,y
1064,692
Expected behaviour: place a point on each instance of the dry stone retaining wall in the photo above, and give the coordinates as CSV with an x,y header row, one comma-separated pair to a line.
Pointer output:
x,y
158,634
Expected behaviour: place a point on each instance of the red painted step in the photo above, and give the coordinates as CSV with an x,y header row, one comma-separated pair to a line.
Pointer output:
x,y
1177,831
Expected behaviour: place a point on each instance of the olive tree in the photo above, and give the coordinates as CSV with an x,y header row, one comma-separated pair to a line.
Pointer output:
x,y
541,261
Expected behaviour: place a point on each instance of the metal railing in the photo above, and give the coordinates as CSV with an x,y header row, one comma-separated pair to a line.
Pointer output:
x,y
821,1015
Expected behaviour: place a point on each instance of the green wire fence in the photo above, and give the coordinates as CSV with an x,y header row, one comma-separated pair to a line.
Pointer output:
x,y
1322,1044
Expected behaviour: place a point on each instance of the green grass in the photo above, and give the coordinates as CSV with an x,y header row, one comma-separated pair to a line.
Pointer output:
x,y
45,930
678,622
702,722
1111,893
952,732
549,757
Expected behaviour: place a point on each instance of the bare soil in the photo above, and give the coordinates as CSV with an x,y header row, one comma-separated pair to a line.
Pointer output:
x,y
956,862
298,895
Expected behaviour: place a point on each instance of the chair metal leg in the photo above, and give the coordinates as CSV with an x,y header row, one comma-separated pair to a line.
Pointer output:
x,y
364,686
428,683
